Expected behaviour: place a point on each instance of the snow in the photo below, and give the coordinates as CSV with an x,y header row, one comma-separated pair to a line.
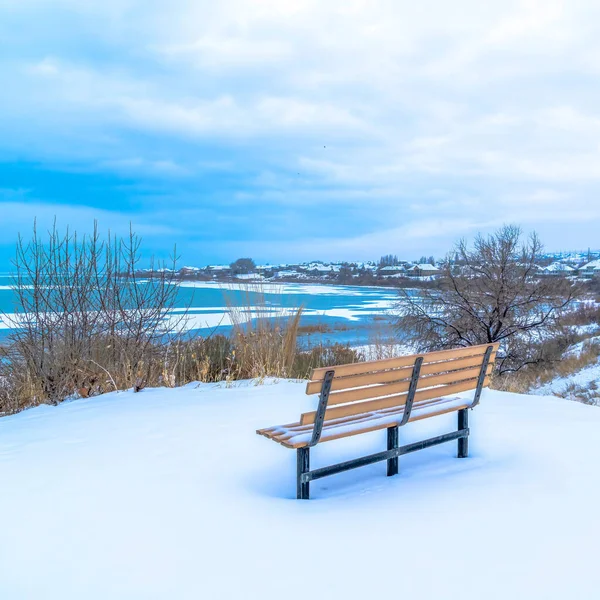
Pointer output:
x,y
171,494
378,418
577,349
219,316
394,268
214,317
592,266
558,267
250,276
385,348
566,386
585,329
574,385
291,288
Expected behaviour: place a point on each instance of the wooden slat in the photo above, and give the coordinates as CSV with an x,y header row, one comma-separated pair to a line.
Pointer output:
x,y
396,400
293,429
297,429
342,434
377,391
402,361
336,435
331,430
335,429
354,381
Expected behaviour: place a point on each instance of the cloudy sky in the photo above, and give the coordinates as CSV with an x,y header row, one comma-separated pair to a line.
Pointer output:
x,y
301,129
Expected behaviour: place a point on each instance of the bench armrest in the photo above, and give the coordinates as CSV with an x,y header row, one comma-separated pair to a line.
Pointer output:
x,y
482,375
320,416
412,390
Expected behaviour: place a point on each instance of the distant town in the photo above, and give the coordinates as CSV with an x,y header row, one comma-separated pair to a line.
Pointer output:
x,y
389,270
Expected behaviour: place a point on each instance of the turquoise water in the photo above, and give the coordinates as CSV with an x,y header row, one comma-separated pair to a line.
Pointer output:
x,y
349,314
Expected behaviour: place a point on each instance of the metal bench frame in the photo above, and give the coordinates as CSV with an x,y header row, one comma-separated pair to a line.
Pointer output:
x,y
304,475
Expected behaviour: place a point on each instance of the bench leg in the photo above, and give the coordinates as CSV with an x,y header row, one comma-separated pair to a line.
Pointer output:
x,y
303,463
463,443
392,444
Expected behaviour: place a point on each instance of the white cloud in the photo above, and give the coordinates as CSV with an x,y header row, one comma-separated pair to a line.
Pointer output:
x,y
346,101
19,217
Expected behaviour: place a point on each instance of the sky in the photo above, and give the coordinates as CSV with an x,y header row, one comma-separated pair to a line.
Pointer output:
x,y
291,130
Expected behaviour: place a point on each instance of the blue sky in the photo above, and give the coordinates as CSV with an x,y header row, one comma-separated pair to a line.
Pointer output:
x,y
299,129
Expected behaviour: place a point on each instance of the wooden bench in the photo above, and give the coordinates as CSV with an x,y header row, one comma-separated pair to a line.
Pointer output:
x,y
386,394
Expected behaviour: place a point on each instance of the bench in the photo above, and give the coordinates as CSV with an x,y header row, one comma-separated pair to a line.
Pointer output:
x,y
386,394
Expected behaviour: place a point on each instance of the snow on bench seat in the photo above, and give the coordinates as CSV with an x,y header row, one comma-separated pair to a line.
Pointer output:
x,y
296,435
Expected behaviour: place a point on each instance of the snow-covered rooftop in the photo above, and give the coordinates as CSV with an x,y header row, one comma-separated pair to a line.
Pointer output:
x,y
558,267
592,266
424,267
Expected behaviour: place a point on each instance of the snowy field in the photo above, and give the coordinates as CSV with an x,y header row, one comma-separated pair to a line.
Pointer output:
x,y
169,494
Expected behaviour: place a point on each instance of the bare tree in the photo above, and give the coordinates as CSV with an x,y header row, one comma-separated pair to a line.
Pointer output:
x,y
87,321
491,292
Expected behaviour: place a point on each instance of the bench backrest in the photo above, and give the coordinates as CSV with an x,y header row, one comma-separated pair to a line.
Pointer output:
x,y
368,386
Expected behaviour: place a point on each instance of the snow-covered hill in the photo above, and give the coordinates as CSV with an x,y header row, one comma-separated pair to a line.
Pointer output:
x,y
169,494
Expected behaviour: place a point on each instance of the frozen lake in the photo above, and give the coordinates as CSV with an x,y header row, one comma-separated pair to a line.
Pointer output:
x,y
346,314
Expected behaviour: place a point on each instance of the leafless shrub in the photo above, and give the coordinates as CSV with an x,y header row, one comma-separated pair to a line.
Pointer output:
x,y
323,356
86,322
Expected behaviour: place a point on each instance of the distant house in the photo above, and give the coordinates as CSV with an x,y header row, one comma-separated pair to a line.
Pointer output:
x,y
189,271
391,270
219,270
369,266
321,269
558,268
423,270
592,269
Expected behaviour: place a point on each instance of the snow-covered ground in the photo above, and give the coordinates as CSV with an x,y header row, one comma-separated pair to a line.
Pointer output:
x,y
569,387
169,494
384,349
574,385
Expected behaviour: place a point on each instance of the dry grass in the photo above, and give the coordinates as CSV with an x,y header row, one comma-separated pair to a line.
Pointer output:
x,y
108,368
264,336
323,356
587,394
534,376
381,345
317,328
585,314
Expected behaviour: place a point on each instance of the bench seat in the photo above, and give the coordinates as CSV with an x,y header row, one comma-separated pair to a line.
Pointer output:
x,y
296,435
